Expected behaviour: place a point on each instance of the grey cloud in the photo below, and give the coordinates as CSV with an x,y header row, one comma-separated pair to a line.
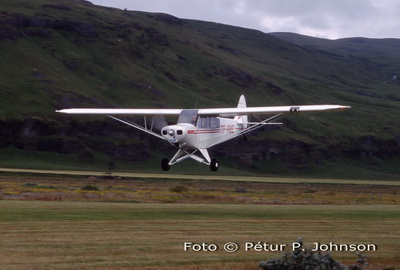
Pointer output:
x,y
324,18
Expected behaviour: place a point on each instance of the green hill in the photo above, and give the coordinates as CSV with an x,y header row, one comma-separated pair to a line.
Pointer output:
x,y
60,54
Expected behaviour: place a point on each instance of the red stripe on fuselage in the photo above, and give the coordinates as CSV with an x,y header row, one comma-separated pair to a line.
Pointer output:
x,y
203,131
207,131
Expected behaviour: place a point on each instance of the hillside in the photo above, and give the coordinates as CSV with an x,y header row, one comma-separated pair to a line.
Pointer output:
x,y
60,54
358,46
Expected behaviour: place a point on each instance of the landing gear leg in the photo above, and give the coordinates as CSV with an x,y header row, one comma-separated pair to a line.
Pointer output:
x,y
214,165
165,164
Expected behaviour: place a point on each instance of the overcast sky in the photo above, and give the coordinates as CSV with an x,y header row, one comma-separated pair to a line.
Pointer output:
x,y
320,18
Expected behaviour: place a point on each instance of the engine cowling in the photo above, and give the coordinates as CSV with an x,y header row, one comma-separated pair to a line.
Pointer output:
x,y
174,134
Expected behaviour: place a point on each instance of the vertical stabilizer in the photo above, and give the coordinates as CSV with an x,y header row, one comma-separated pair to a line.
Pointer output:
x,y
242,119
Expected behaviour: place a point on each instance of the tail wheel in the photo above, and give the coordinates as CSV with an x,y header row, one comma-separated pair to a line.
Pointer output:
x,y
214,165
165,164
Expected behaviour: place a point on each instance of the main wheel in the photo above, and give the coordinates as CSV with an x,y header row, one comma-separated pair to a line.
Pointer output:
x,y
214,165
165,164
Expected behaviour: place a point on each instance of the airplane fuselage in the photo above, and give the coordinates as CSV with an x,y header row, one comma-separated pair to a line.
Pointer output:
x,y
203,134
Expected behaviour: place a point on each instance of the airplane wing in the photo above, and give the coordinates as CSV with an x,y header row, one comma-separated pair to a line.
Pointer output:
x,y
137,112
217,111
226,112
123,111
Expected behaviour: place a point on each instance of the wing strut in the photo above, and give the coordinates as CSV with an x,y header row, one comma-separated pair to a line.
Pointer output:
x,y
253,126
144,129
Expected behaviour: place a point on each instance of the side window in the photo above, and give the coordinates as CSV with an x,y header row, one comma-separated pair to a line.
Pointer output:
x,y
202,122
208,122
215,122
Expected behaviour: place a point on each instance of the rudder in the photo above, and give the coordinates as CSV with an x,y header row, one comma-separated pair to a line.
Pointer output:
x,y
242,119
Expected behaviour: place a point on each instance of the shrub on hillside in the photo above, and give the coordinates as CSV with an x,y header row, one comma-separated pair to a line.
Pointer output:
x,y
306,258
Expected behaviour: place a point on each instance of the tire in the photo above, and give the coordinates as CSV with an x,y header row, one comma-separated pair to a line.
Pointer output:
x,y
214,165
165,164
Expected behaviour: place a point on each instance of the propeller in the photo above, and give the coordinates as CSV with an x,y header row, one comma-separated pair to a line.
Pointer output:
x,y
159,122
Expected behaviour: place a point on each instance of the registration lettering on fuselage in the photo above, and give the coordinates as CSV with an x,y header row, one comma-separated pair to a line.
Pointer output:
x,y
227,129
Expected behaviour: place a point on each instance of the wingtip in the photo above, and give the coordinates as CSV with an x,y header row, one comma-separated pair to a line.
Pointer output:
x,y
62,111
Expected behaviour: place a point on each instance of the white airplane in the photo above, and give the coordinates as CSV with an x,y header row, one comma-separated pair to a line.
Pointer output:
x,y
199,129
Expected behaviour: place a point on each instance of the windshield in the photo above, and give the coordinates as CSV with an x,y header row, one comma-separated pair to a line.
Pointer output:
x,y
188,116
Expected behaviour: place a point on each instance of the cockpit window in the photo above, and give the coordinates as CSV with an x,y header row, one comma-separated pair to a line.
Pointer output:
x,y
188,116
210,122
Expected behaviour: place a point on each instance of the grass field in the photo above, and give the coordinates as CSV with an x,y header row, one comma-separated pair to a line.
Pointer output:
x,y
76,235
241,178
52,222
